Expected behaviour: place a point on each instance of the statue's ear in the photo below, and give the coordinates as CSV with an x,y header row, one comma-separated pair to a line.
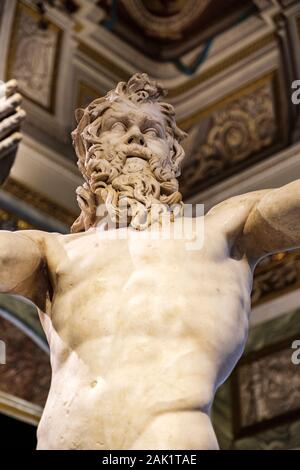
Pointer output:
x,y
78,114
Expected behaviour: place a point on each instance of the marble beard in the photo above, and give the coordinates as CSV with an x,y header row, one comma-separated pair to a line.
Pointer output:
x,y
139,192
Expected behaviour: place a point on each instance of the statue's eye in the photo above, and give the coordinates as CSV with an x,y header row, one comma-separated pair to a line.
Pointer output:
x,y
118,127
151,132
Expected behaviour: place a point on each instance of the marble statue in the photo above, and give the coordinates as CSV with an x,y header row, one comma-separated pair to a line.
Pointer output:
x,y
141,330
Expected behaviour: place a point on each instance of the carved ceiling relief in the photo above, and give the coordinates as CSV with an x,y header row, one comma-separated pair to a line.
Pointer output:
x,y
33,56
36,200
236,132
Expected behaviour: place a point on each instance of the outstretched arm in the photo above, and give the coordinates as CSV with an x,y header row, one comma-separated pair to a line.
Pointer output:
x,y
11,116
22,266
273,223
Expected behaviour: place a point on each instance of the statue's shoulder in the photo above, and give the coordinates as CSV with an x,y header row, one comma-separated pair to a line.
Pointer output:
x,y
50,239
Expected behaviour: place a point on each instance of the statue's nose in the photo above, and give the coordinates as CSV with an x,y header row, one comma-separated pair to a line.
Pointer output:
x,y
134,136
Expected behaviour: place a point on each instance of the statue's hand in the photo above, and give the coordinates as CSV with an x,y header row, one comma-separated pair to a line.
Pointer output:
x,y
11,116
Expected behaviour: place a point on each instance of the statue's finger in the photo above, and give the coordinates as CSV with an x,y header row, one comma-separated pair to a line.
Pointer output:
x,y
9,105
11,87
11,123
8,144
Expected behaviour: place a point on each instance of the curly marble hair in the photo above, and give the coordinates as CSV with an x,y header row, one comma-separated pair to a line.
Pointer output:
x,y
139,89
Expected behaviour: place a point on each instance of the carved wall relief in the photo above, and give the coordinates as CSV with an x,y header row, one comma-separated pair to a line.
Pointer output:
x,y
33,56
230,135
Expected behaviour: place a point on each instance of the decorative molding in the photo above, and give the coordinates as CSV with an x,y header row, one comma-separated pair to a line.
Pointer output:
x,y
298,26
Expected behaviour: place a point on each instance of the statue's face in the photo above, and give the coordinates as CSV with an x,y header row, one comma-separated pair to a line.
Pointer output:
x,y
137,132
128,165
129,153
